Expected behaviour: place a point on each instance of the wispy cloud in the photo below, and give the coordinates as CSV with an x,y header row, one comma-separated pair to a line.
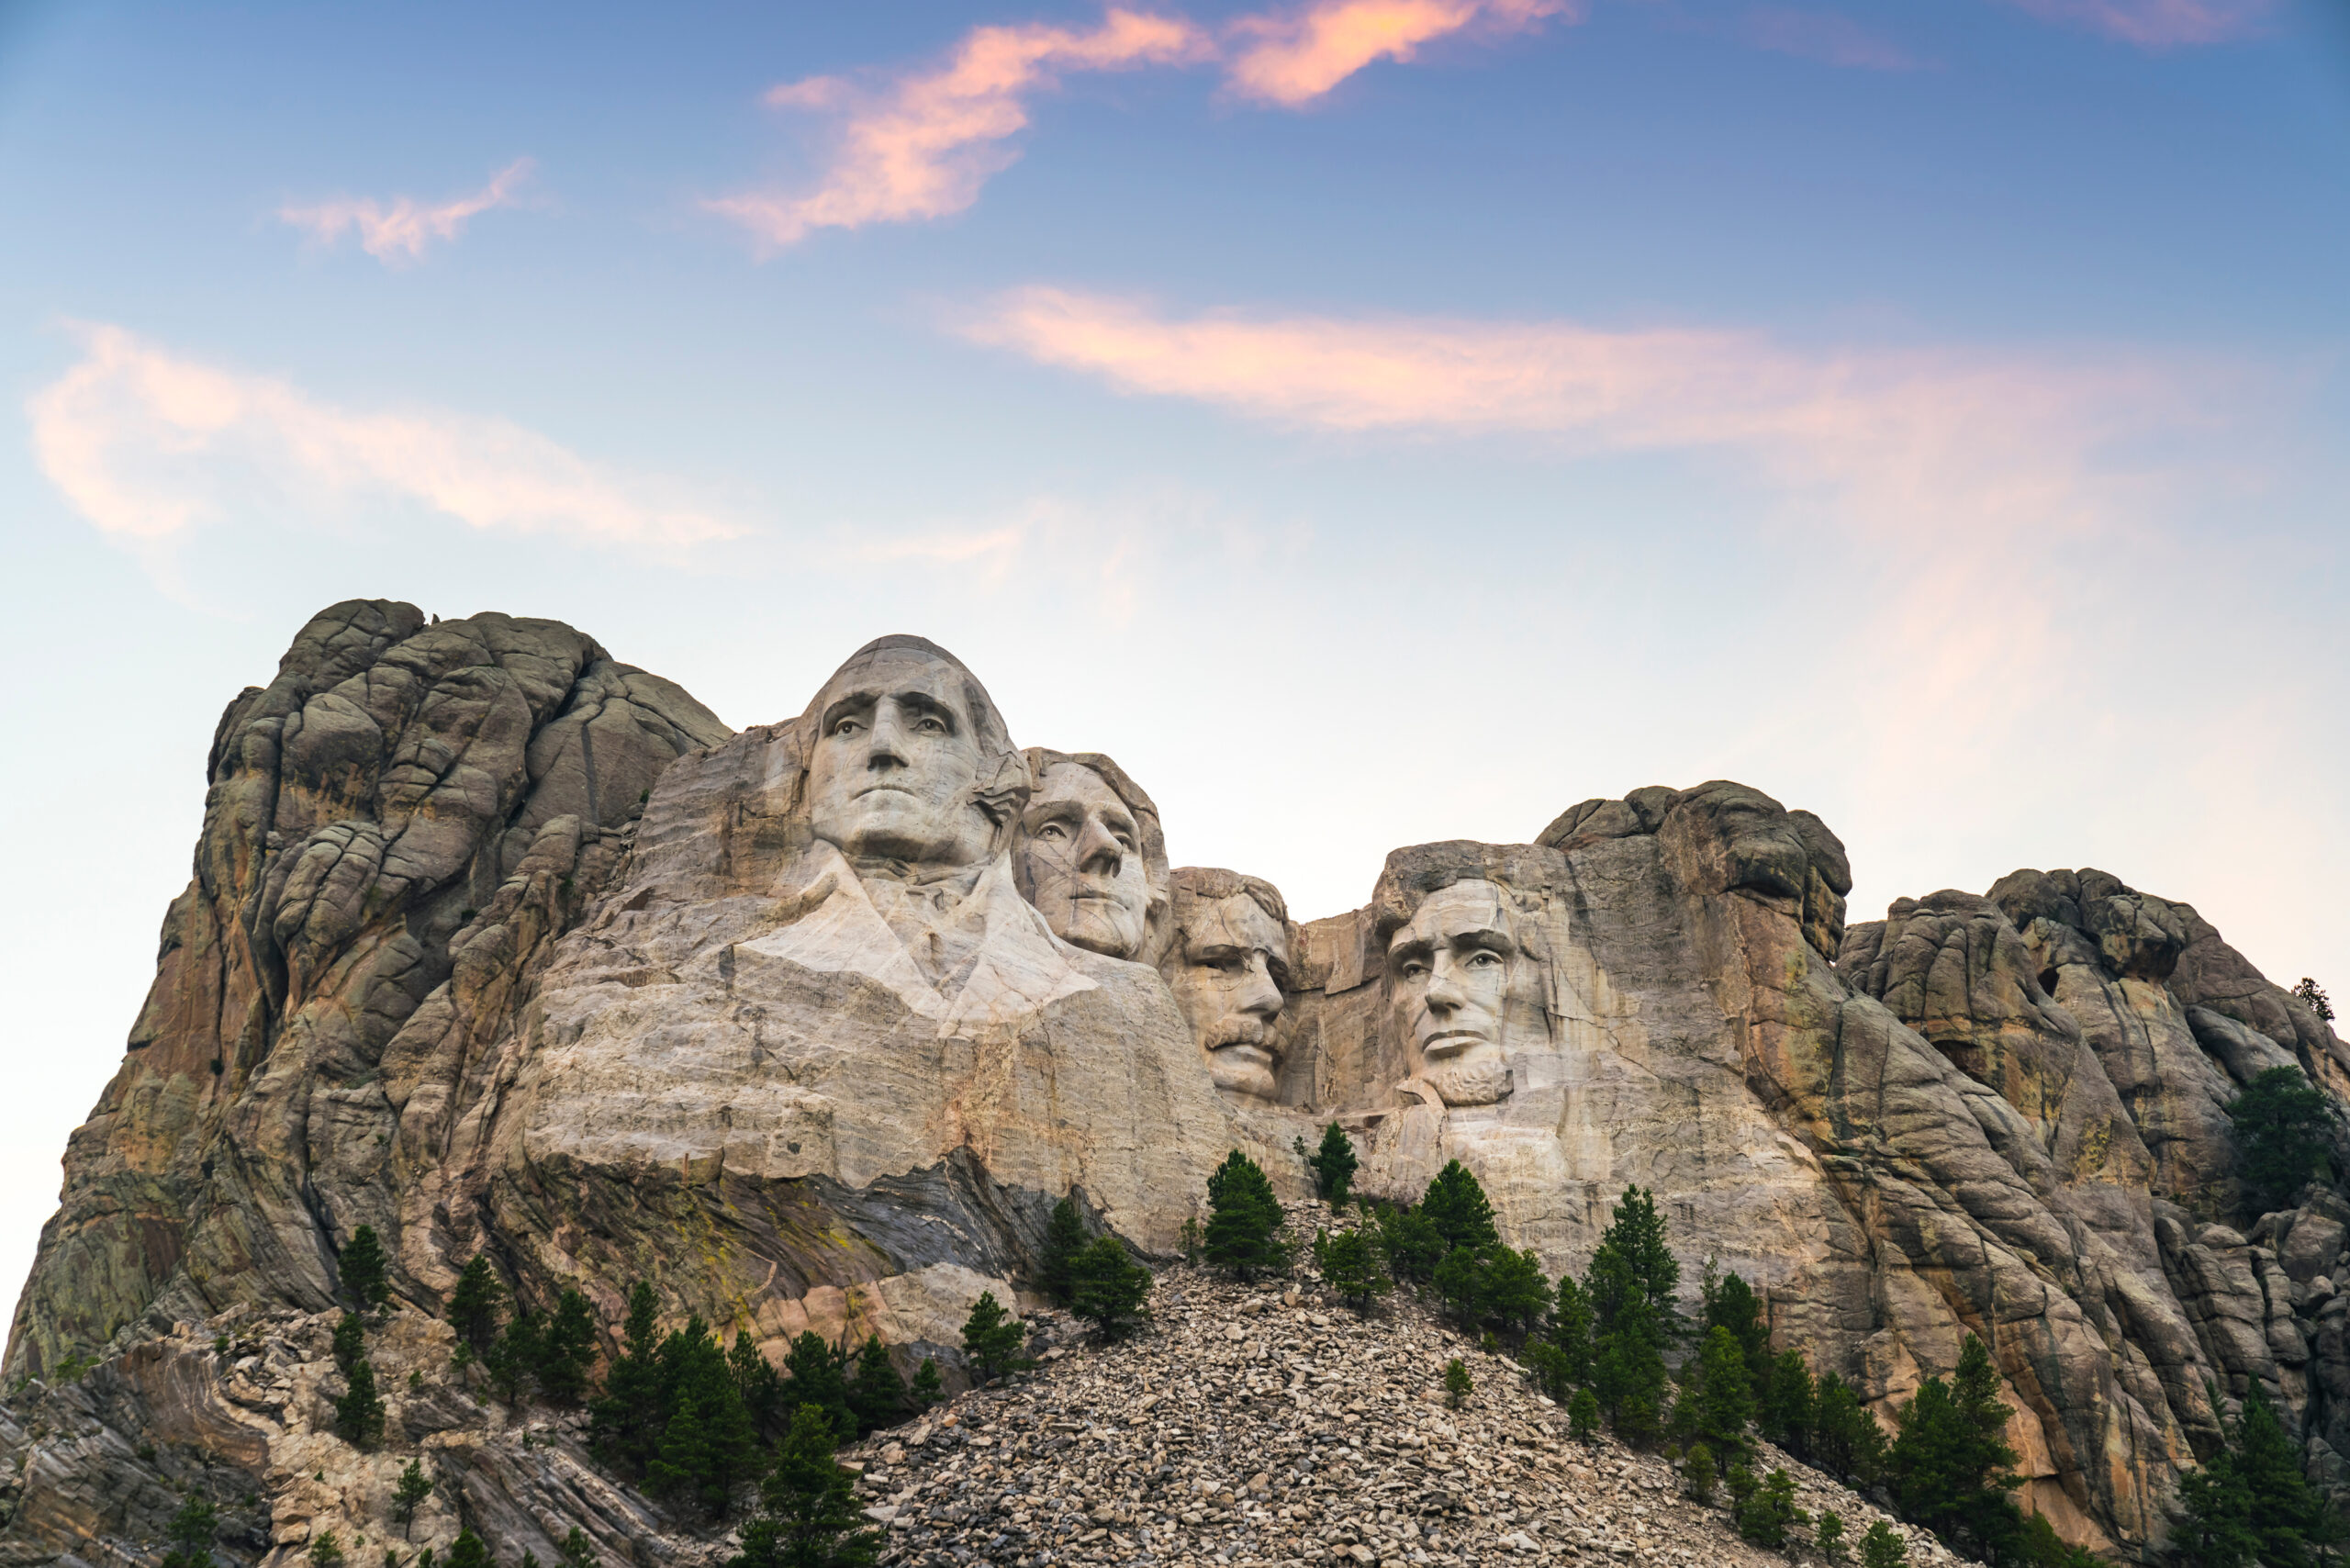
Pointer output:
x,y
2158,24
1915,430
148,445
922,145
404,231
1824,36
1294,57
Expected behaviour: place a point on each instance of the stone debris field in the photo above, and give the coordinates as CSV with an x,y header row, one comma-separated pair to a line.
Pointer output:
x,y
1260,1426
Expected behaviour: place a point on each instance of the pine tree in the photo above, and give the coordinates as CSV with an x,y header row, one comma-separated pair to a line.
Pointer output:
x,y
1845,1439
877,1395
349,1342
1244,1220
1635,1239
1333,1165
992,1337
1730,1302
2282,1123
1457,1205
466,1551
190,1533
1571,1330
1785,1404
1582,1416
578,1552
1725,1405
2313,996
475,1304
413,1488
1634,1319
1459,1284
1108,1289
1828,1539
628,1421
1457,1383
756,1381
708,1446
567,1349
1951,1468
2214,1526
1353,1264
1515,1293
817,1373
1767,1515
1698,1473
808,1515
363,1270
1412,1243
1883,1547
514,1356
359,1414
2286,1514
1064,1239
325,1552
929,1386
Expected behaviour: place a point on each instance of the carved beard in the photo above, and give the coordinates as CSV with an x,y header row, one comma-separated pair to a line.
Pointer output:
x,y
1472,1084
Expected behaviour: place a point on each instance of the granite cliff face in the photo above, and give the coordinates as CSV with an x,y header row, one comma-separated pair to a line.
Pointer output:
x,y
505,948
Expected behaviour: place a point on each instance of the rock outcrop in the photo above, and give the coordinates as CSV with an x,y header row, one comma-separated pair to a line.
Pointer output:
x,y
506,949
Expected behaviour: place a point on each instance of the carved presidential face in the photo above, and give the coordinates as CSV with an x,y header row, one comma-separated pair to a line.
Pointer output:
x,y
1227,976
894,769
1450,974
1081,861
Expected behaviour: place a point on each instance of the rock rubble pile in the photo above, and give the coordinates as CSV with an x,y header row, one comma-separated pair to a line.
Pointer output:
x,y
1260,1425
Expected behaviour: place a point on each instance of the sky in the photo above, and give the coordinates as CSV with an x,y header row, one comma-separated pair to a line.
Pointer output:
x,y
1370,421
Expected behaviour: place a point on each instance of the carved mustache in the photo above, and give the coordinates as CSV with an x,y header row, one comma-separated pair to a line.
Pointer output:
x,y
1237,1032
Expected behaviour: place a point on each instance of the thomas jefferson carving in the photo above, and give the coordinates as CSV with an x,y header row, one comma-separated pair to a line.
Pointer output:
x,y
1229,965
1089,855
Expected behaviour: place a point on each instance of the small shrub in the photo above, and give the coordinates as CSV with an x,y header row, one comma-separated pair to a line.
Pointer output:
x,y
992,1337
1457,1383
1829,1539
1700,1473
1582,1416
1881,1548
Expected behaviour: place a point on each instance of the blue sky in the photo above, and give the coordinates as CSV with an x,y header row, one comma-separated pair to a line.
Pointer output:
x,y
1371,421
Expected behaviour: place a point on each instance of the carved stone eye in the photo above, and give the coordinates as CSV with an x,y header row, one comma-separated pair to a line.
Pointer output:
x,y
846,726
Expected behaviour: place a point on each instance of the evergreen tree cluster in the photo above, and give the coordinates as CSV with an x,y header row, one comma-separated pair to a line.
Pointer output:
x,y
1333,1163
2283,1126
1094,1277
695,1422
1244,1229
551,1354
2250,1503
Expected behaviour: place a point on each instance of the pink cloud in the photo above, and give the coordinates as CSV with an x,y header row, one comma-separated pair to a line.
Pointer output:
x,y
1908,437
405,230
923,145
1823,36
148,445
2158,24
1295,57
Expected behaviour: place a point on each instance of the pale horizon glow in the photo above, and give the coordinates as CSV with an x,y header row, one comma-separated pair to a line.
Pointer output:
x,y
402,231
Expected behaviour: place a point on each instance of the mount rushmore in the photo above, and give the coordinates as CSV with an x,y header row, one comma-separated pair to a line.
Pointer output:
x,y
505,948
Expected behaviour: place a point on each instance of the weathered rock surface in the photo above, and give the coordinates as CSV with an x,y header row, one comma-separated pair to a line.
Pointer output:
x,y
504,949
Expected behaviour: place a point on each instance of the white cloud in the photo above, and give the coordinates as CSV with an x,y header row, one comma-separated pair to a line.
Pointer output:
x,y
148,445
403,231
